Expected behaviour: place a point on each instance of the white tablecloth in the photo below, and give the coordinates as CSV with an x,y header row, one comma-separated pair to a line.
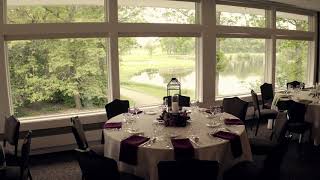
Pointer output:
x,y
208,148
313,109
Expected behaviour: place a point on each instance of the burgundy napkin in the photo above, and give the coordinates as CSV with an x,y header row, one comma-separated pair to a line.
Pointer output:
x,y
129,149
183,149
115,125
234,139
233,121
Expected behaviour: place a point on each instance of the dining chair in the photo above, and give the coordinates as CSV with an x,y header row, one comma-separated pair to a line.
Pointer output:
x,y
262,114
188,170
296,120
94,166
269,169
266,95
263,146
22,171
295,84
79,135
113,109
11,137
236,107
116,107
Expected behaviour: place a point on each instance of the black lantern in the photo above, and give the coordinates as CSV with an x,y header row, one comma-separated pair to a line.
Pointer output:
x,y
173,87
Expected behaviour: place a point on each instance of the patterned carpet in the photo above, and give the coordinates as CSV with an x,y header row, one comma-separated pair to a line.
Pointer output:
x,y
63,166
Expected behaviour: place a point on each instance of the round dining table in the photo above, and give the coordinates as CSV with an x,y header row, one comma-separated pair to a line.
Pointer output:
x,y
198,129
305,96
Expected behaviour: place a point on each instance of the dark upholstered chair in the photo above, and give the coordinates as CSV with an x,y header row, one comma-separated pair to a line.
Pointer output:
x,y
21,172
94,166
295,84
188,170
263,114
262,146
116,107
236,107
251,171
79,135
266,95
11,137
184,101
296,121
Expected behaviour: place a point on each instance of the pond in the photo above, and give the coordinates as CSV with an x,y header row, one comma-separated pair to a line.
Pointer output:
x,y
228,84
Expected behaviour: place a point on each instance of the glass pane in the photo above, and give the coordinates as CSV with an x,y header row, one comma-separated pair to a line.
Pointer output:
x,y
147,64
241,64
156,11
55,11
291,21
57,76
292,58
240,16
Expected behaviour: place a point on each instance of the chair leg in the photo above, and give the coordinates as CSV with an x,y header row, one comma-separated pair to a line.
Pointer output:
x,y
29,174
300,138
102,138
257,128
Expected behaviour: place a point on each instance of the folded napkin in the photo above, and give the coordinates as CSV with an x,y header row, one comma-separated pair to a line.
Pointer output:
x,y
115,125
129,149
234,139
233,121
183,149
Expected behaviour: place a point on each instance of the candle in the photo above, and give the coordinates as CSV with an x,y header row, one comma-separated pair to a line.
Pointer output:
x,y
175,107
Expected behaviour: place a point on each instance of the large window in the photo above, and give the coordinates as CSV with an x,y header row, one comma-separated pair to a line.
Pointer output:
x,y
292,59
240,16
157,11
55,11
147,64
57,76
292,21
240,65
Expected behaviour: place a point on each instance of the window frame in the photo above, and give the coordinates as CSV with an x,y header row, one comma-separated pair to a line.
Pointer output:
x,y
206,31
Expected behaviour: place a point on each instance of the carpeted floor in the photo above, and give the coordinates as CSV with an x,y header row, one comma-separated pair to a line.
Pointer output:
x,y
63,166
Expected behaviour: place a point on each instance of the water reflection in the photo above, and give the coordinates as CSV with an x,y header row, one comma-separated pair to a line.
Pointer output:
x,y
228,84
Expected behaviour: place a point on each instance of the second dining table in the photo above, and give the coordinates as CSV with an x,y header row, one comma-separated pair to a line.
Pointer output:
x,y
158,147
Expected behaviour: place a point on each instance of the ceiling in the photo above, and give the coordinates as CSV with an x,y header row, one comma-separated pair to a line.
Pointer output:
x,y
306,4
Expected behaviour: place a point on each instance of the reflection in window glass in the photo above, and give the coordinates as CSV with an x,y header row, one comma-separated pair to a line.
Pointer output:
x,y
57,76
291,21
147,64
292,58
240,16
55,11
156,11
240,65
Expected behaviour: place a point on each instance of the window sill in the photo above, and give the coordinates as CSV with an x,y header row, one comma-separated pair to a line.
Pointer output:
x,y
56,121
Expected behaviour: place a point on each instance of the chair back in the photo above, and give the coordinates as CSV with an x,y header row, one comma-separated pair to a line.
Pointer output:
x,y
272,163
95,167
25,152
266,93
280,128
296,111
184,101
116,107
11,132
255,102
295,84
188,170
79,134
236,107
